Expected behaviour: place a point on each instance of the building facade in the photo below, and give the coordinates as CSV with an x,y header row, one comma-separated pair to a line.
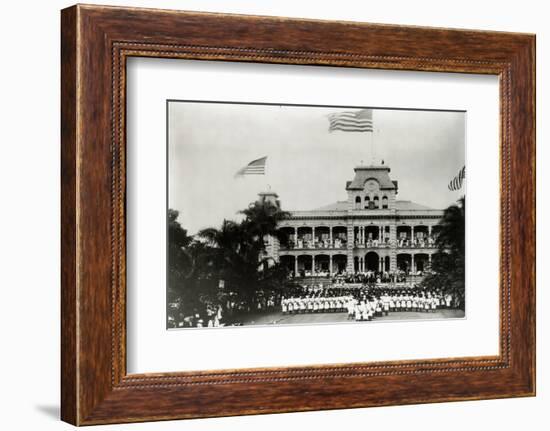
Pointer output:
x,y
370,231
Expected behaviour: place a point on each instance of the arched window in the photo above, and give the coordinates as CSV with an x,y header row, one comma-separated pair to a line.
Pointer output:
x,y
357,202
376,202
367,202
385,202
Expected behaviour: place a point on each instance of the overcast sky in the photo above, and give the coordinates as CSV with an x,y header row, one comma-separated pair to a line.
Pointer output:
x,y
306,165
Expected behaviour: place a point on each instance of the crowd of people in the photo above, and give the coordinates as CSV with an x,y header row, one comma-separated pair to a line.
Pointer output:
x,y
338,242
370,242
361,302
359,276
366,302
416,242
372,277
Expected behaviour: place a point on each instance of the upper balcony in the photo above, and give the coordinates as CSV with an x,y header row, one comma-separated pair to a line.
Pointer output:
x,y
304,244
372,244
416,243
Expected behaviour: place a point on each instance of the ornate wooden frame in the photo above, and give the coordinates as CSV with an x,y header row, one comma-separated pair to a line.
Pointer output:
x,y
95,42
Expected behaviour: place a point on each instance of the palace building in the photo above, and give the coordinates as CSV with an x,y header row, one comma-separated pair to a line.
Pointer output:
x,y
369,231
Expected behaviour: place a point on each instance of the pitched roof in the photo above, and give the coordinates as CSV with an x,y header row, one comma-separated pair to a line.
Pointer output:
x,y
409,205
336,206
399,205
379,173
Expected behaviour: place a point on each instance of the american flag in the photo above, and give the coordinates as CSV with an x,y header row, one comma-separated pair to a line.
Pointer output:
x,y
357,121
456,182
255,167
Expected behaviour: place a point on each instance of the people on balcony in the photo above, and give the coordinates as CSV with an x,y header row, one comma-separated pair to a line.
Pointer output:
x,y
416,242
319,243
340,241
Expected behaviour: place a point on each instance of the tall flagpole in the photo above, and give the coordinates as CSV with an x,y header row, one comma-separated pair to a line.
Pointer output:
x,y
266,177
372,138
372,146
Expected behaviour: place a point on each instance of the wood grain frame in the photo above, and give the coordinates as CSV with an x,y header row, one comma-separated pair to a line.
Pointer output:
x,y
96,42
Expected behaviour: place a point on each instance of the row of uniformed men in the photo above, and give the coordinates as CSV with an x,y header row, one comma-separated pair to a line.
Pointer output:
x,y
315,304
364,308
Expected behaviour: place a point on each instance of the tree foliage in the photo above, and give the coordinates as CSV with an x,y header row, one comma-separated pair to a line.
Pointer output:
x,y
448,264
235,253
180,260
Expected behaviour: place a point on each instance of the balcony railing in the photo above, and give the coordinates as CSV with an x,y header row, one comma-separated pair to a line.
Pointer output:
x,y
372,244
407,243
369,244
310,245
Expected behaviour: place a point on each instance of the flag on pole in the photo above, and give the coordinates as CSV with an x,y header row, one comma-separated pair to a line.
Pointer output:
x,y
456,182
255,167
351,121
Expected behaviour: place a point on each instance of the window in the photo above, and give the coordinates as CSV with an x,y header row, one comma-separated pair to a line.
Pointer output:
x,y
385,202
367,203
376,202
357,202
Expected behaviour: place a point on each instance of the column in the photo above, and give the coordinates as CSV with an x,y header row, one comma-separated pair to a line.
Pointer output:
x,y
313,235
276,248
349,250
393,247
295,237
412,233
330,236
360,264
413,268
363,235
330,263
312,264
430,230
430,260
295,266
381,269
379,234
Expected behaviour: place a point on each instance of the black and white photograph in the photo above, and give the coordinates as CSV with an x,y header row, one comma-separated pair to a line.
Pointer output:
x,y
282,214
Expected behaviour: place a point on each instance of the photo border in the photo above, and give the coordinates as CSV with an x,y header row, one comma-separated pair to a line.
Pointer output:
x,y
95,43
300,105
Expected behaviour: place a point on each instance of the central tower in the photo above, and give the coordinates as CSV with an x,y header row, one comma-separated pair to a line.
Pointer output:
x,y
371,189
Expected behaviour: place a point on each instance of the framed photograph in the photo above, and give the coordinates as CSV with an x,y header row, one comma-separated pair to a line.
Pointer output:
x,y
325,222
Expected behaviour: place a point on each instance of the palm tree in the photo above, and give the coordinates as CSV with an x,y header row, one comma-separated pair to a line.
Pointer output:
x,y
451,233
228,238
448,264
180,266
238,249
262,219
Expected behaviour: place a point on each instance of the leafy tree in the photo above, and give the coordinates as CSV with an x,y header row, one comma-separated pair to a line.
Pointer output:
x,y
179,262
192,275
235,253
451,228
238,251
262,219
448,264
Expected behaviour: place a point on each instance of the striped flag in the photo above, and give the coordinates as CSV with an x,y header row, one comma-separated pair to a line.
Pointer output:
x,y
456,182
255,167
357,121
